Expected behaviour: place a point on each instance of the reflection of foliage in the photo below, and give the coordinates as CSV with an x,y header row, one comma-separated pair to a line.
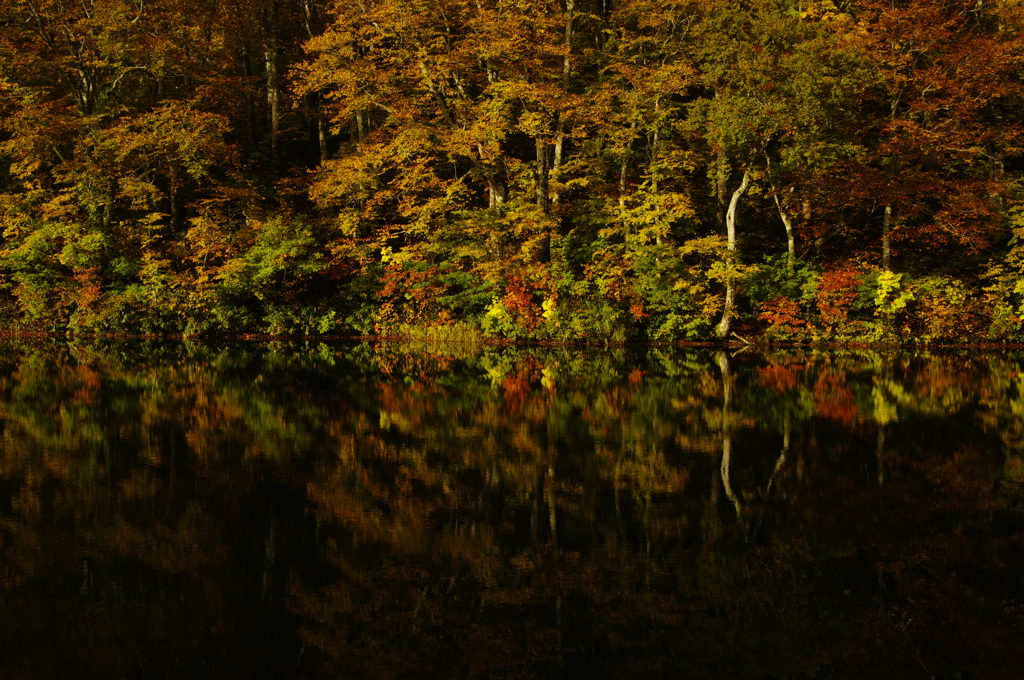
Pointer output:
x,y
503,511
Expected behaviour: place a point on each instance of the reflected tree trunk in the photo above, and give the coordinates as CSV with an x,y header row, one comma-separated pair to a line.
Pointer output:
x,y
269,556
615,493
538,501
723,365
782,455
556,566
726,483
880,454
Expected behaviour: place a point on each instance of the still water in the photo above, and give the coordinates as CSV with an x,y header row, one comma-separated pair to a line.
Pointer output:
x,y
313,510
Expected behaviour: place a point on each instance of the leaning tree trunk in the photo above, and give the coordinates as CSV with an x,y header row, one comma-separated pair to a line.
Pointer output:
x,y
730,257
787,222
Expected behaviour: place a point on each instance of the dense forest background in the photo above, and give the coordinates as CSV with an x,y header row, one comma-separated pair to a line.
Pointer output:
x,y
580,169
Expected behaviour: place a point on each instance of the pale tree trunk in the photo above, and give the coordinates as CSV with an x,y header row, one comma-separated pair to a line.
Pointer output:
x,y
730,280
787,222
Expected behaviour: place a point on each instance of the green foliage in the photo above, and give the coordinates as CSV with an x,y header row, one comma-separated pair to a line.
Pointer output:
x,y
783,297
1004,292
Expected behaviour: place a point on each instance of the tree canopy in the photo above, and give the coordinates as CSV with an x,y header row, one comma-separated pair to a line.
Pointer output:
x,y
570,170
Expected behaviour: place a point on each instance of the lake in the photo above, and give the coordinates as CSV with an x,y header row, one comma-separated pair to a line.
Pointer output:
x,y
360,510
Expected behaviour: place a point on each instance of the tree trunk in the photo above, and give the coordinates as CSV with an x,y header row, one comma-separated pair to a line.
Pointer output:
x,y
175,216
787,222
360,126
497,189
309,18
541,176
722,187
624,174
323,138
538,502
542,171
730,231
270,55
887,239
556,162
497,196
250,99
570,14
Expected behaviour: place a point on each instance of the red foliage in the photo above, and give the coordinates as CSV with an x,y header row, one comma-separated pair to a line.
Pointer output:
x,y
414,290
837,292
783,317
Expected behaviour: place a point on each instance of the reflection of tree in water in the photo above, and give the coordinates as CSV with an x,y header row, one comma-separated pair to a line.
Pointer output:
x,y
515,513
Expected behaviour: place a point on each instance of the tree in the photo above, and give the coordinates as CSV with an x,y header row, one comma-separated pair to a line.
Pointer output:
x,y
935,129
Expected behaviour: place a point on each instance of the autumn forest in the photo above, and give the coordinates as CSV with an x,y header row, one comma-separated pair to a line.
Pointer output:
x,y
614,170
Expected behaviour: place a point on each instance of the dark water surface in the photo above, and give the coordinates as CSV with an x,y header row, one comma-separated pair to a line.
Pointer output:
x,y
380,511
